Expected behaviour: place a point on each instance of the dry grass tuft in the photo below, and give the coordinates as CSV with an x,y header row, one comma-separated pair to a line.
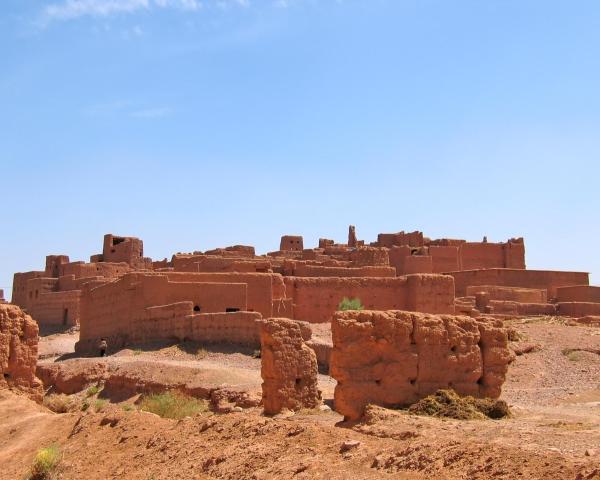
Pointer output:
x,y
447,403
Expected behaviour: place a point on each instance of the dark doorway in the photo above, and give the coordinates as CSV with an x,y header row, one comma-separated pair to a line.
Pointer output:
x,y
65,316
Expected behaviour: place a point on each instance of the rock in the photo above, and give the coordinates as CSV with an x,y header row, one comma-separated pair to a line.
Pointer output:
x,y
288,367
349,445
325,408
18,351
237,409
591,452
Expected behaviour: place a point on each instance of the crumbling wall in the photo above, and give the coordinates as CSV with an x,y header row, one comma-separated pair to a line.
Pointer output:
x,y
303,270
316,299
578,309
364,256
262,289
512,294
578,293
394,358
541,279
293,243
288,366
129,250
114,309
18,351
444,258
57,308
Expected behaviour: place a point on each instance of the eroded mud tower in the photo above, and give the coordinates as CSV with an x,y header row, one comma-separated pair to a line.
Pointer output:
x,y
18,351
288,366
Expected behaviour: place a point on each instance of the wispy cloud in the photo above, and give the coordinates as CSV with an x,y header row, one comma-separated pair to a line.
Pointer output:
x,y
73,9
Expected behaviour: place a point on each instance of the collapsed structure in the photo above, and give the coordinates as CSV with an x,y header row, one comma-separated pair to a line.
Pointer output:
x,y
226,294
395,358
18,351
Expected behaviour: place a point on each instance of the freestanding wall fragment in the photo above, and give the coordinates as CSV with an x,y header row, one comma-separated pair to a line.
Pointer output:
x,y
393,358
18,351
289,366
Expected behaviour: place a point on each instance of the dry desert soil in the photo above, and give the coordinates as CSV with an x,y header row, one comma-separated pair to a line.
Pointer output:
x,y
553,389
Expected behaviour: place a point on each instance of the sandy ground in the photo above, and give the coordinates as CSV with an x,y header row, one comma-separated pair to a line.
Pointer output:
x,y
554,393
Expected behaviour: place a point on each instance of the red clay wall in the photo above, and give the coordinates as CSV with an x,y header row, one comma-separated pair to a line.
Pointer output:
x,y
262,288
303,270
102,269
20,293
512,294
394,358
316,299
113,308
212,263
294,243
578,309
474,255
578,293
444,258
541,279
56,308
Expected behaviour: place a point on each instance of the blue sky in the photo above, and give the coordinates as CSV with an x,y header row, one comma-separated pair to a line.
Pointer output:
x,y
196,124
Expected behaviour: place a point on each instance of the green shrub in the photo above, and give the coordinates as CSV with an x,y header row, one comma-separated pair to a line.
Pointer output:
x,y
350,304
99,404
128,407
45,462
173,405
90,392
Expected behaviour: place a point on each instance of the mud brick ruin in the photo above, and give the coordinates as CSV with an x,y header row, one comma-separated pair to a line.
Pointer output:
x,y
394,358
18,351
223,295
288,366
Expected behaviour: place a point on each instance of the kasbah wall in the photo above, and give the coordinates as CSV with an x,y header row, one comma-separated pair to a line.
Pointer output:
x,y
120,293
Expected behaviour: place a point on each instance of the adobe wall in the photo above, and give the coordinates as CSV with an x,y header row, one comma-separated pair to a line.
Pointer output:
x,y
417,264
444,258
304,270
56,308
288,367
513,294
233,251
540,279
316,299
19,292
262,288
114,308
412,239
18,351
394,358
370,256
478,255
293,243
474,255
102,269
178,322
212,263
53,263
578,309
129,250
506,307
578,293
